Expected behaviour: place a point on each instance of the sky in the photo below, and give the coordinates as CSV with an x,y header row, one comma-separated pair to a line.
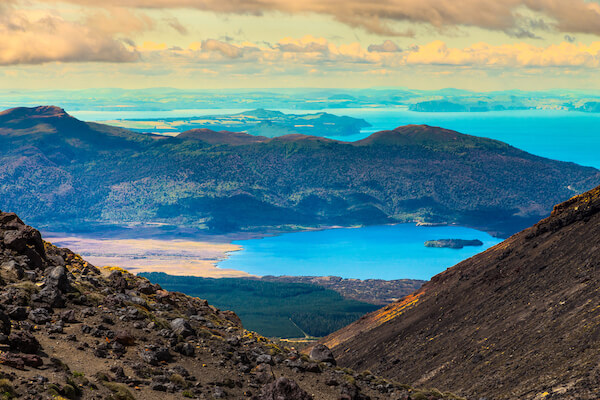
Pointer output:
x,y
422,44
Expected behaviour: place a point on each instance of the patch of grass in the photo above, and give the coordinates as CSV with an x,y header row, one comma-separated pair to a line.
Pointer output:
x,y
119,392
7,391
177,379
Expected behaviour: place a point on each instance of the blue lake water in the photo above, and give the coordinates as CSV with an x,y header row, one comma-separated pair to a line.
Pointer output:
x,y
373,252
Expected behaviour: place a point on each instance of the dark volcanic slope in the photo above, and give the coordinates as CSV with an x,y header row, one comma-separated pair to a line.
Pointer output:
x,y
516,321
71,330
63,173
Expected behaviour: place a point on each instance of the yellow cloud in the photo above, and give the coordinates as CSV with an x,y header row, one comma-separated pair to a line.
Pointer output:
x,y
312,52
509,55
38,37
152,46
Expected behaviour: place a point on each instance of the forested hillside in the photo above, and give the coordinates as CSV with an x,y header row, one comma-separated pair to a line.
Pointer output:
x,y
61,172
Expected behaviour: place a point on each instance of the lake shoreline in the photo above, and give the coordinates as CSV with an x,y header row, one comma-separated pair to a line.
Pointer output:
x,y
201,255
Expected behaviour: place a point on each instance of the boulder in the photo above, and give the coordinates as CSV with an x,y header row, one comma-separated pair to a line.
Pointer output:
x,y
14,268
186,349
23,341
18,313
19,361
118,281
39,315
125,338
322,353
283,389
181,327
49,296
154,355
19,237
15,240
58,279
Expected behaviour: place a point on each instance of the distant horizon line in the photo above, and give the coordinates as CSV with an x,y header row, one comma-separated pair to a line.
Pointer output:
x,y
299,88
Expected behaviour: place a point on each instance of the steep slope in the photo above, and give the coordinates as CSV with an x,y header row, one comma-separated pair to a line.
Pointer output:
x,y
518,321
66,174
71,330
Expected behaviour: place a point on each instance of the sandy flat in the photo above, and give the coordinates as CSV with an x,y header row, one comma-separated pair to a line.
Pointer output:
x,y
174,257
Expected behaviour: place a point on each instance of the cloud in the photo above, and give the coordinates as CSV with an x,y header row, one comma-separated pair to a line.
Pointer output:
x,y
225,49
309,53
307,44
386,47
42,38
521,33
572,16
175,24
113,20
152,46
510,55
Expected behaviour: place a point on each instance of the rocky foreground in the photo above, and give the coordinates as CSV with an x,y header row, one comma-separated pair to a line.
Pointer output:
x,y
71,330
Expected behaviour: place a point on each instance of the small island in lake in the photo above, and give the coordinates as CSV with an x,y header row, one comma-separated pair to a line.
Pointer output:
x,y
453,243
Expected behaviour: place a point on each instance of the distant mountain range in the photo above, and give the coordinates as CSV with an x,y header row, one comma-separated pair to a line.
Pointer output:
x,y
103,101
59,172
518,321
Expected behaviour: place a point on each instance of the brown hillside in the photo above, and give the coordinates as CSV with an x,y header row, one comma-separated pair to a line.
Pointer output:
x,y
518,321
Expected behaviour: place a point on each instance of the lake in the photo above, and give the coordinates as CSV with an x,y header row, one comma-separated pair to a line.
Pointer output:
x,y
373,252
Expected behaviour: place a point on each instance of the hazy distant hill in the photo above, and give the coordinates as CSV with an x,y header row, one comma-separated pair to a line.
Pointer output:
x,y
56,170
259,122
518,321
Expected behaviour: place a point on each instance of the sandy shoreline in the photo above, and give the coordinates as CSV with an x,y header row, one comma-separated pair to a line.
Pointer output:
x,y
174,257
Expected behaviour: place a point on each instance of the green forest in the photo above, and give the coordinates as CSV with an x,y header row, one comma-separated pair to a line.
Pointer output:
x,y
273,309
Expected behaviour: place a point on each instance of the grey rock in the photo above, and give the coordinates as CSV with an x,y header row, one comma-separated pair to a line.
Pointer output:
x,y
39,315
322,353
283,388
58,279
181,327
